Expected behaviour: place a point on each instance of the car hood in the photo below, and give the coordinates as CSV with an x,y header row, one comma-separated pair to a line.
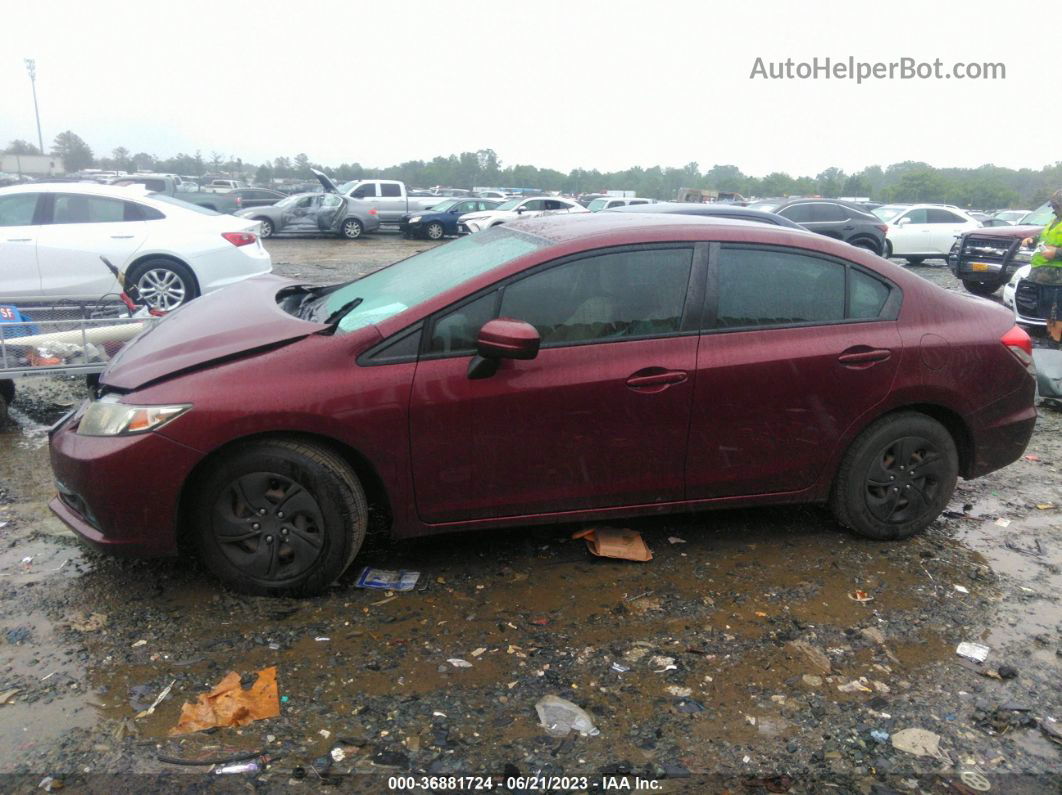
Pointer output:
x,y
489,214
239,319
1006,231
326,181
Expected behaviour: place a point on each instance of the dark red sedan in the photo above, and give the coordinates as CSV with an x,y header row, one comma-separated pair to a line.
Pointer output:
x,y
558,369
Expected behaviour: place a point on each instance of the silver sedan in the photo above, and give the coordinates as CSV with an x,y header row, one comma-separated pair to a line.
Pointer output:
x,y
315,214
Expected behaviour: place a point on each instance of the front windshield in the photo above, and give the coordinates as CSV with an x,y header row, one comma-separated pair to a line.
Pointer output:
x,y
887,213
443,206
1041,216
597,204
767,207
512,204
414,280
346,186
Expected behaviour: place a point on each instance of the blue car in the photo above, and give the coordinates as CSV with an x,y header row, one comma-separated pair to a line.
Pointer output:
x,y
441,220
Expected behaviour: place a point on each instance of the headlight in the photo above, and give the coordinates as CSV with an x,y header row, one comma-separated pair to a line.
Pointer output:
x,y
108,417
415,219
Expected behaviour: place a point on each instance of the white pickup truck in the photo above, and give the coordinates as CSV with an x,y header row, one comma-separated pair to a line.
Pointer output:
x,y
388,196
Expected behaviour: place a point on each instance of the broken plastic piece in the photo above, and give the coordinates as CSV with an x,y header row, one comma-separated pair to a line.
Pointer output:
x,y
972,651
384,580
228,704
615,542
860,596
919,742
457,662
559,717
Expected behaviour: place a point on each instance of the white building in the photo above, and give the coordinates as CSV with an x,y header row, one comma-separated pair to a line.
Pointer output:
x,y
32,165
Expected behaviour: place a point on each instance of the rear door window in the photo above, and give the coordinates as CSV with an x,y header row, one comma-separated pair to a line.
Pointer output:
x,y
828,212
798,213
943,217
390,190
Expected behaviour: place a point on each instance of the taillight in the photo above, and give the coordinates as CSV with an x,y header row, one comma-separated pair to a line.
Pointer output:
x,y
372,211
240,238
883,228
239,201
1019,343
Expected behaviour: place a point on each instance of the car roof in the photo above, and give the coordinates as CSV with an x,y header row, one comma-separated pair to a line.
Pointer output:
x,y
734,211
88,188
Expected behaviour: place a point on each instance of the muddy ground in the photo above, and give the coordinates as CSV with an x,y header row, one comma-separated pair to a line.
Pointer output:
x,y
736,659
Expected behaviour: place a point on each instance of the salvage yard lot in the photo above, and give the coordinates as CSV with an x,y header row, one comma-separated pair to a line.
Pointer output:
x,y
730,656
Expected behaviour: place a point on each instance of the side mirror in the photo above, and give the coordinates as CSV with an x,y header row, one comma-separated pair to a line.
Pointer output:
x,y
521,210
502,338
903,222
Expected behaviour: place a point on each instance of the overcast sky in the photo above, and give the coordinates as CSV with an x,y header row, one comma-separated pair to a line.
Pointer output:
x,y
567,84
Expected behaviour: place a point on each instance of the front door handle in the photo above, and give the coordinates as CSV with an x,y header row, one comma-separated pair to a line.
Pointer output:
x,y
121,237
20,240
864,356
652,377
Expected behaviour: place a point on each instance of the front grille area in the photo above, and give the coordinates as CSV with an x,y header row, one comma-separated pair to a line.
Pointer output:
x,y
74,502
987,249
1037,300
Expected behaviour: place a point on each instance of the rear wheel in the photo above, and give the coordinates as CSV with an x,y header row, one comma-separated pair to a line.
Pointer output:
x,y
915,260
265,228
896,477
351,229
867,244
7,397
434,231
163,283
279,517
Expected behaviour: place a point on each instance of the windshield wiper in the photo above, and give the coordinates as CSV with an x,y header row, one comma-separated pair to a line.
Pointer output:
x,y
334,318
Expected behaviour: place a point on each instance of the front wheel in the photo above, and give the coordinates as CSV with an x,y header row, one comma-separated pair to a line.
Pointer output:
x,y
265,227
351,229
434,231
163,283
896,477
867,245
279,517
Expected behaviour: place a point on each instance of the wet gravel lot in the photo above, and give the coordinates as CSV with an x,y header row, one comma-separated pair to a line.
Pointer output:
x,y
759,651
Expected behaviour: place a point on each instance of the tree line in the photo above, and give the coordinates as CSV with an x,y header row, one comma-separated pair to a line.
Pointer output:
x,y
984,187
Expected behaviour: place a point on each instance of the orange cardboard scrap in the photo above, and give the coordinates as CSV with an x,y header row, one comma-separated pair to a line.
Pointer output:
x,y
228,704
615,542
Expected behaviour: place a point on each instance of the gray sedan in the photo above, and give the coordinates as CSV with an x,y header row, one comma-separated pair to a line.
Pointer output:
x,y
315,214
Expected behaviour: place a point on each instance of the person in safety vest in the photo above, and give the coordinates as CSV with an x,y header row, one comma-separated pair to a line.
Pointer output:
x,y
1047,259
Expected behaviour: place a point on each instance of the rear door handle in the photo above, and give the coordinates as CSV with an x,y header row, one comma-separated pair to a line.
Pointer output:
x,y
20,240
868,356
643,379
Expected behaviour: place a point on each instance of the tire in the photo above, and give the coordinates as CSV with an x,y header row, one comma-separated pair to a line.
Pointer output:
x,y
983,288
881,459
915,260
163,283
867,245
7,397
245,491
266,229
434,231
351,229
888,250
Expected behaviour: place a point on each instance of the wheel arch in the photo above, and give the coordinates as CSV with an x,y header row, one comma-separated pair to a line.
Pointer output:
x,y
380,512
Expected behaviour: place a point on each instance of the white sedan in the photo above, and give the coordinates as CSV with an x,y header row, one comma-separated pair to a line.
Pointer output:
x,y
53,235
919,231
517,208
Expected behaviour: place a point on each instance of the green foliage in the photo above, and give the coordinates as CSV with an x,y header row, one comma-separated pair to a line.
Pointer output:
x,y
20,147
74,152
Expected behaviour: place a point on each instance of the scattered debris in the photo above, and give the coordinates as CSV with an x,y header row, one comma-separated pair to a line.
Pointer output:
x,y
559,717
91,622
1001,522
1004,718
615,542
972,651
675,540
457,662
384,580
661,664
975,781
620,668
860,596
165,692
253,766
962,589
879,735
1050,730
1035,550
855,686
1045,506
228,704
138,644
8,695
920,742
679,692
816,657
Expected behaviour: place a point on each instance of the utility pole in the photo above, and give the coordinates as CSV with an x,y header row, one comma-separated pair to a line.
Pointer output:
x,y
31,67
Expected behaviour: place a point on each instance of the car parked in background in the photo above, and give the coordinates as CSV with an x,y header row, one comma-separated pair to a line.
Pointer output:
x,y
256,197
836,219
52,238
609,202
389,196
517,208
711,210
315,214
497,195
223,185
1010,216
660,373
917,232
986,259
442,219
167,186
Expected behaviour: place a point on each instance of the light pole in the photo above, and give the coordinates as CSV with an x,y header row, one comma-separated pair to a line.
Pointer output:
x,y
31,67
